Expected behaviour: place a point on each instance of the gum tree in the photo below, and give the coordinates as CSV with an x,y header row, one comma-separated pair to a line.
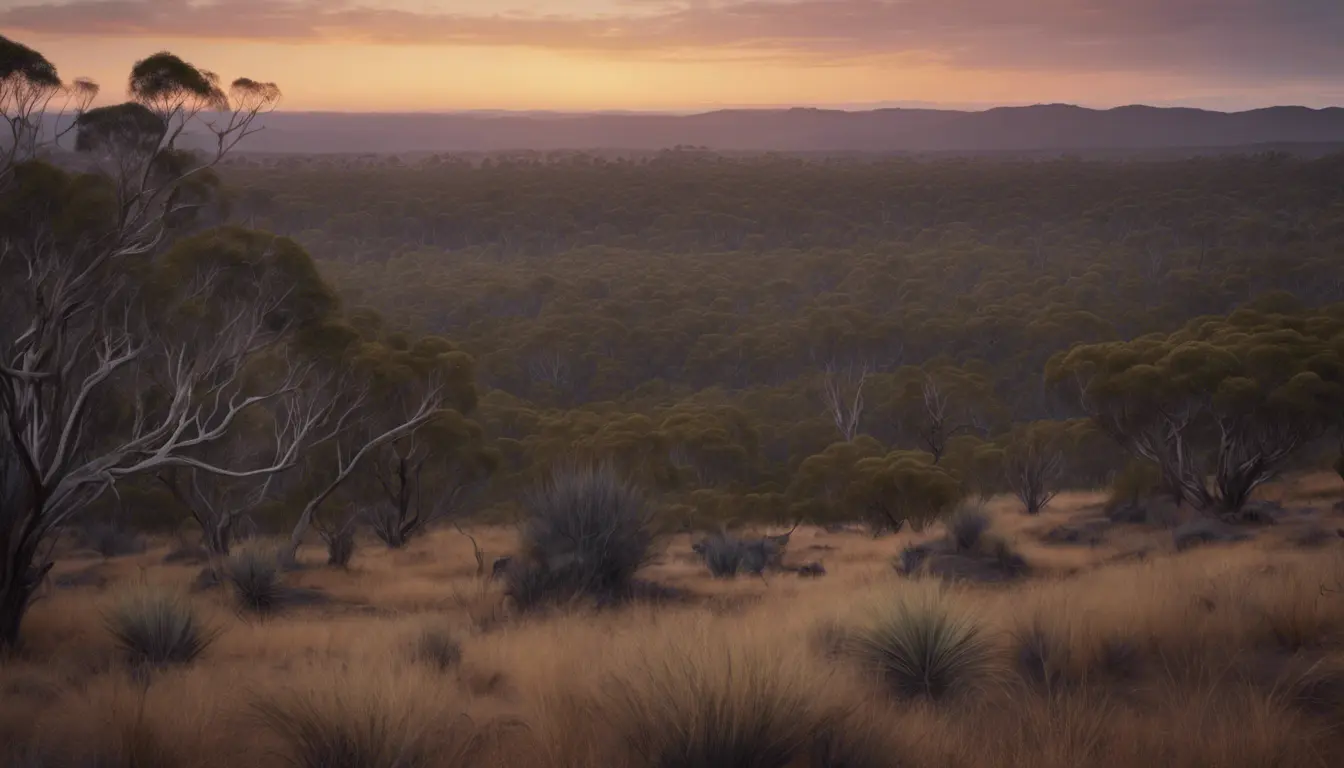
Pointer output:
x,y
1219,406
108,368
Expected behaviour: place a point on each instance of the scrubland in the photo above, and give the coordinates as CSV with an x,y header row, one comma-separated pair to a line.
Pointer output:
x,y
1122,653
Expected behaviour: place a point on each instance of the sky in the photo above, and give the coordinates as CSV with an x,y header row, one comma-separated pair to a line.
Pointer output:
x,y
685,55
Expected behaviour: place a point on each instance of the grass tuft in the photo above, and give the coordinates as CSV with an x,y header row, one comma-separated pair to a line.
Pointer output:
x,y
966,526
922,650
716,707
156,628
356,726
254,575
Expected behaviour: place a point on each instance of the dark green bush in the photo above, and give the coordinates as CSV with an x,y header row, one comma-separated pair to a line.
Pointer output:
x,y
587,532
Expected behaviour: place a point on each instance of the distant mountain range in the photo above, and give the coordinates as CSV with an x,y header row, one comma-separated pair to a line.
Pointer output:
x,y
1055,127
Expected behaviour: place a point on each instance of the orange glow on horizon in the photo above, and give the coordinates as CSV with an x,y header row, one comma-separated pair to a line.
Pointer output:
x,y
354,77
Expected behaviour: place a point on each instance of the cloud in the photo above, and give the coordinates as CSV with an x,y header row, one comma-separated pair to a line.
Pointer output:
x,y
1262,40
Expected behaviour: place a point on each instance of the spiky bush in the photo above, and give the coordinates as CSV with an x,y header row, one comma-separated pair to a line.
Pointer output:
x,y
920,648
716,707
156,628
723,556
254,575
965,526
587,532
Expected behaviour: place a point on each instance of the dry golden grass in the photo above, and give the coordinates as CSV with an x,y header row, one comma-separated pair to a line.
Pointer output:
x,y
1223,656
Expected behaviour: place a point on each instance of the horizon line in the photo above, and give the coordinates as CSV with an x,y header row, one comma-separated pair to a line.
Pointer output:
x,y
842,108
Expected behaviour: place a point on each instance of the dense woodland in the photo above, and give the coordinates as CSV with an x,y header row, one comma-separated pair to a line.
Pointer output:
x,y
746,328
324,347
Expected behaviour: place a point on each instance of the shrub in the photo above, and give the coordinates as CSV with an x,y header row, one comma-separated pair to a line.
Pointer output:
x,y
587,532
923,650
966,526
254,575
156,628
439,649
1140,479
723,556
716,707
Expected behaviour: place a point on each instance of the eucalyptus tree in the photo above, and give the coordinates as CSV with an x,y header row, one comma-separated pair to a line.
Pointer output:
x,y
227,271
1034,457
1219,406
430,474
401,389
902,487
111,363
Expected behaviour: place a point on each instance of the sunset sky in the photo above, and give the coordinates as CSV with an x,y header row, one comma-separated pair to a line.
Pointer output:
x,y
434,55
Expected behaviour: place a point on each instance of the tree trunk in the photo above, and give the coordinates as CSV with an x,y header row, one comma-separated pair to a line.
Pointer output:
x,y
19,581
218,537
1235,490
13,605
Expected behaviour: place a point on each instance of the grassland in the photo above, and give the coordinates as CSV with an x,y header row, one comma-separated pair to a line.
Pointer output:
x,y
1126,653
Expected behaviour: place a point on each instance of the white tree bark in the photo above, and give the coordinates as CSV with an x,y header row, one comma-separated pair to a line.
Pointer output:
x,y
842,395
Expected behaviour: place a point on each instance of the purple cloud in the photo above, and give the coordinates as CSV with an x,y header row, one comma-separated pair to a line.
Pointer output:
x,y
1262,40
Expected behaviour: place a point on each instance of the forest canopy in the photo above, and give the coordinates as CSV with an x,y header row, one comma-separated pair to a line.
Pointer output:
x,y
720,322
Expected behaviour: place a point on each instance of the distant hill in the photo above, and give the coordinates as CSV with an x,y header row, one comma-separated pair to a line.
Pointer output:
x,y
1006,129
